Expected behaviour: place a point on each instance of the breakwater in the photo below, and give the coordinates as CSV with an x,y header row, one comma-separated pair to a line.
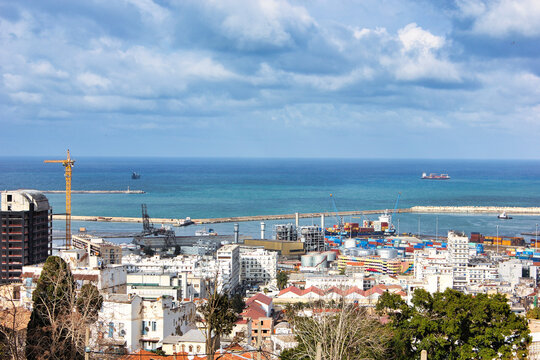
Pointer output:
x,y
415,209
511,210
172,221
128,191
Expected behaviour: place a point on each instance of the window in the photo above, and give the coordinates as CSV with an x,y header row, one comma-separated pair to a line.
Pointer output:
x,y
144,329
190,348
154,326
111,329
10,198
198,349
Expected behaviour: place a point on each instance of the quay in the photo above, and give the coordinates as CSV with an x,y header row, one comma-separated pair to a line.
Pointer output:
x,y
128,191
414,209
511,210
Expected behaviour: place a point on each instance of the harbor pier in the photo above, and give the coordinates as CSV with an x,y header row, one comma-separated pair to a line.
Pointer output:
x,y
414,209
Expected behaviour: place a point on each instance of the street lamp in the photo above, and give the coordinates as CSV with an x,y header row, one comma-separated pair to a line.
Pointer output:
x,y
536,236
497,239
437,228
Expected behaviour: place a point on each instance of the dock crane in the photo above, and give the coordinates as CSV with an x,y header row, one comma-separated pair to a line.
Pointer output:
x,y
68,164
339,219
397,202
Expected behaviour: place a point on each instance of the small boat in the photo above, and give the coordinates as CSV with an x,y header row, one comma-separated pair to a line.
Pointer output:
x,y
135,175
433,176
203,232
504,216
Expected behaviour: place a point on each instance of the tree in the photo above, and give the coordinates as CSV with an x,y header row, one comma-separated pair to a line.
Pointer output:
x,y
219,317
453,325
282,279
344,330
533,313
238,303
59,317
13,323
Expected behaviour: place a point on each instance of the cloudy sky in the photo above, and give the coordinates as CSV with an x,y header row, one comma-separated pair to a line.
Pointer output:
x,y
271,78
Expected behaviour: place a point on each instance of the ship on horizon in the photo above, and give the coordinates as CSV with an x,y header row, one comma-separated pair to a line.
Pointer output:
x,y
434,176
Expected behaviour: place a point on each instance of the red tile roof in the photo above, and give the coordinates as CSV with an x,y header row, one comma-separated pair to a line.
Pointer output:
x,y
261,298
254,312
293,289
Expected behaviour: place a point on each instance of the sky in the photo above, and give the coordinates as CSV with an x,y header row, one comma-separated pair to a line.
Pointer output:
x,y
270,78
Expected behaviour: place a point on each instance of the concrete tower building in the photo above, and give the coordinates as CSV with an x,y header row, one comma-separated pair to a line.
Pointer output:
x,y
26,232
458,258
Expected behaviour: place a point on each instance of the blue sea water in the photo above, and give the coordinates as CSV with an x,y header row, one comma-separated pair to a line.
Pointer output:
x,y
204,188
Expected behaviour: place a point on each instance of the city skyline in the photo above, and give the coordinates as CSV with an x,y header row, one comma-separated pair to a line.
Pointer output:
x,y
275,78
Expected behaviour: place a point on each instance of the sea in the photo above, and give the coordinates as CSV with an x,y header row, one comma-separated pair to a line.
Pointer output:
x,y
226,187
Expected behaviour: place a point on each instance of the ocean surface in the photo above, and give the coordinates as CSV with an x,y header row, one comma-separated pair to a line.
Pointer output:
x,y
205,188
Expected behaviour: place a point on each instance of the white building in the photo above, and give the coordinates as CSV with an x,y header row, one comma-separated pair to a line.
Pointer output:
x,y
111,279
108,252
431,261
147,285
130,322
258,266
458,258
511,271
228,277
339,281
481,273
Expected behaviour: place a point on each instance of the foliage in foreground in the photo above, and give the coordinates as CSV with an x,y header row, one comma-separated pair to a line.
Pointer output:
x,y
60,316
344,331
219,318
452,325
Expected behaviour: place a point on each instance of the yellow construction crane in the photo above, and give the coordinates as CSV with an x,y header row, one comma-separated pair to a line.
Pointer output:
x,y
68,164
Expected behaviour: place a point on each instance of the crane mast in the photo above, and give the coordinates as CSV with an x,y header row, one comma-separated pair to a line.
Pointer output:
x,y
68,165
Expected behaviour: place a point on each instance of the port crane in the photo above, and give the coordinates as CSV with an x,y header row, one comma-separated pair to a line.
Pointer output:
x,y
339,219
150,230
68,164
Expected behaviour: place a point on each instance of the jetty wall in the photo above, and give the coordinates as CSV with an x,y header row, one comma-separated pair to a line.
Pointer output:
x,y
415,209
513,210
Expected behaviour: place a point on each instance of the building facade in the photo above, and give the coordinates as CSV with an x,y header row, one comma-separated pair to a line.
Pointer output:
x,y
458,258
258,266
228,277
25,232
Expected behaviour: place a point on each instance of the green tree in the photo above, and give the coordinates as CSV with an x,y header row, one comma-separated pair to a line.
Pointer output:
x,y
282,279
452,325
60,315
533,313
46,338
238,303
219,318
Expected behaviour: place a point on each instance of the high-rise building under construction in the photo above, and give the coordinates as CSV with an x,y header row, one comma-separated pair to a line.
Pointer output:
x,y
26,232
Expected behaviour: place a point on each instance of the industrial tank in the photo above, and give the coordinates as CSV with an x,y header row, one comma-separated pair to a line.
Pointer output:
x,y
387,253
364,252
330,255
306,260
350,243
319,260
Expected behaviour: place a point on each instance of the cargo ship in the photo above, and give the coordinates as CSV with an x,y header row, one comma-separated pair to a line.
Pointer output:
x,y
433,176
382,226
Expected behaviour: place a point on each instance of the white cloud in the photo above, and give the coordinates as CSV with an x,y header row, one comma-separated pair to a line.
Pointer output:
x,y
414,38
254,22
503,17
92,80
26,97
45,68
418,59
